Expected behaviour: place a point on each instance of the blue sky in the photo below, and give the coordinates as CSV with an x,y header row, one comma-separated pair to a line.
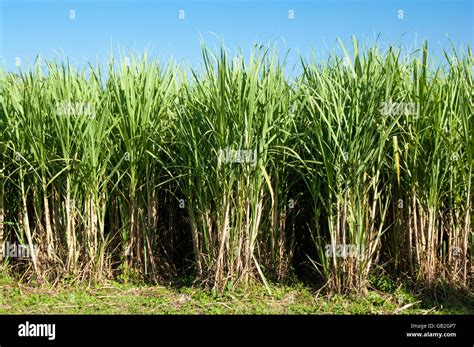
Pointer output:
x,y
32,27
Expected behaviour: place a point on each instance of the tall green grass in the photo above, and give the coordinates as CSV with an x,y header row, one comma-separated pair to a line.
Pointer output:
x,y
149,169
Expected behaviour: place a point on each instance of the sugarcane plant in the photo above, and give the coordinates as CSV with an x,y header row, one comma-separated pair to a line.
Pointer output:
x,y
235,170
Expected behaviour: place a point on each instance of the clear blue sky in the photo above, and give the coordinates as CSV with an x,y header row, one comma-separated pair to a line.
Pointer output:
x,y
32,27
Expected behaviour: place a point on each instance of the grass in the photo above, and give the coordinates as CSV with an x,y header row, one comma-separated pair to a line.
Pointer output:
x,y
116,298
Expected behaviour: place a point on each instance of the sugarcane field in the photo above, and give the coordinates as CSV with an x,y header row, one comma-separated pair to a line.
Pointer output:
x,y
235,175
